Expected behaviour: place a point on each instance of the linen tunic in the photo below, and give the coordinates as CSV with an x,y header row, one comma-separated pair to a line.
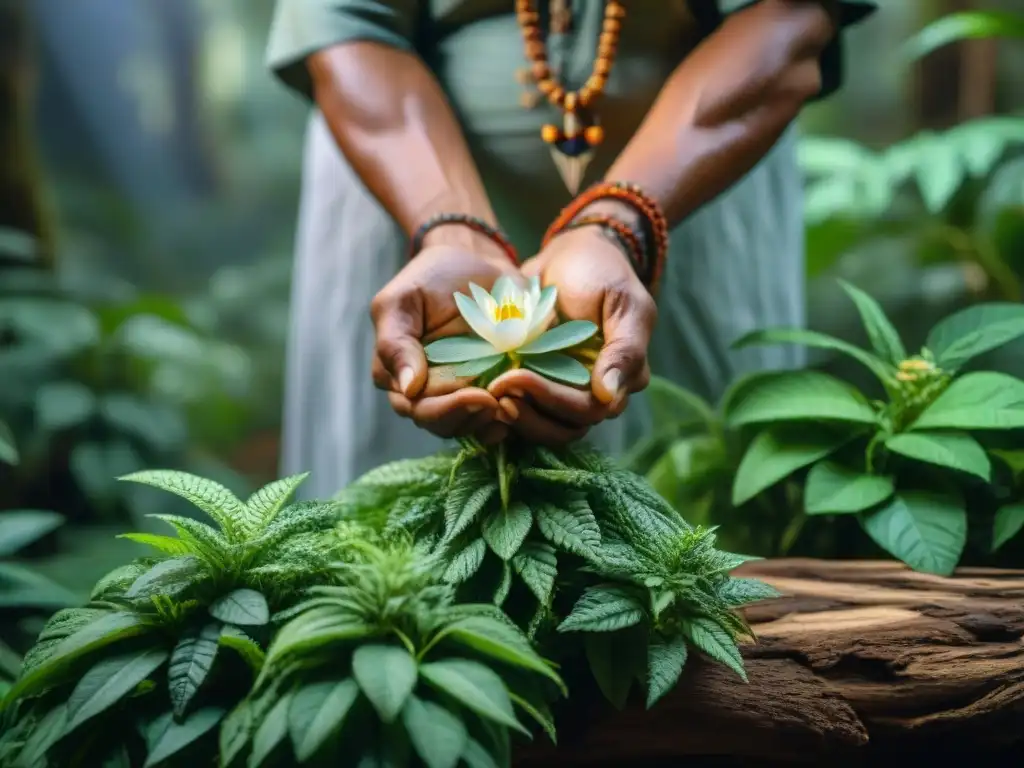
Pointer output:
x,y
734,265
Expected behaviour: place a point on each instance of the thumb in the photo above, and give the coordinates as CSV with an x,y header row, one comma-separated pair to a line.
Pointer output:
x,y
399,327
621,366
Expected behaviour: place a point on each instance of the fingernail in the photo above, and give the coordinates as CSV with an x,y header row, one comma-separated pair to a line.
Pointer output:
x,y
611,381
510,408
516,393
405,377
474,408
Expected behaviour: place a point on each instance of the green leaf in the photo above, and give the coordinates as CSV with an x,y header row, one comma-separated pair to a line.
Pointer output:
x,y
212,498
438,736
264,505
672,404
604,609
616,659
476,687
244,607
21,527
473,368
466,562
160,578
833,489
560,337
505,531
108,682
736,592
799,396
191,662
884,338
882,370
964,335
235,733
1008,523
504,585
967,25
945,449
172,736
539,712
464,503
925,530
272,731
777,453
571,527
537,566
168,545
984,400
8,449
559,367
250,651
43,735
499,640
665,662
386,674
710,637
458,349
476,756
317,711
63,404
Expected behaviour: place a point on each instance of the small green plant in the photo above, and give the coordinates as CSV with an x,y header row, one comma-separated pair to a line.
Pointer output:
x,y
906,464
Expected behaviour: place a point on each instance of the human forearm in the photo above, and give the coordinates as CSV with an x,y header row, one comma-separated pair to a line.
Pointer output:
x,y
395,127
727,104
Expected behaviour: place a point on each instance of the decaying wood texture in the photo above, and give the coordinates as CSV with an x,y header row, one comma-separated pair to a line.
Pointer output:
x,y
857,661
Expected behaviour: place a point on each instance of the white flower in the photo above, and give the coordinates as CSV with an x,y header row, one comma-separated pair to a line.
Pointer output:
x,y
511,323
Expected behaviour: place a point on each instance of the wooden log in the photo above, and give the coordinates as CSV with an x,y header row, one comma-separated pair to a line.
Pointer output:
x,y
857,661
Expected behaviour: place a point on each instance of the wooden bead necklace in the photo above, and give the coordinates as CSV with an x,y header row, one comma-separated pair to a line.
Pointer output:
x,y
572,144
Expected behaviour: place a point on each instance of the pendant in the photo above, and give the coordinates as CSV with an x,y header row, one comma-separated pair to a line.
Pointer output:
x,y
572,149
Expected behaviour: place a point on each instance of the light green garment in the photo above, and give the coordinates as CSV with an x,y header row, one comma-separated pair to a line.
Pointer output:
x,y
734,265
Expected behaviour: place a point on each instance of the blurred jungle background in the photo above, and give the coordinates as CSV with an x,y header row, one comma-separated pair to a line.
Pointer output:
x,y
149,176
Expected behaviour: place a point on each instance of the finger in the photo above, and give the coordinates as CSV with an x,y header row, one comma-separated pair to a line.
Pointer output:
x,y
398,322
577,407
621,366
446,415
541,430
493,433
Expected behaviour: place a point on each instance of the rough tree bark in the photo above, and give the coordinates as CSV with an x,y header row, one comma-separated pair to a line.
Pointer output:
x,y
857,662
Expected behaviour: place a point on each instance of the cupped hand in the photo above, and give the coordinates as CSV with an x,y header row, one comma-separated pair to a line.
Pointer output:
x,y
416,307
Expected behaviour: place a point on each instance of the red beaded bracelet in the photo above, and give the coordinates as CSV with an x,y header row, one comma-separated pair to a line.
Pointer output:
x,y
473,222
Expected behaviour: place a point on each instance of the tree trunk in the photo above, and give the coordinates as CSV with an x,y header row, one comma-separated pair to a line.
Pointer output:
x,y
857,661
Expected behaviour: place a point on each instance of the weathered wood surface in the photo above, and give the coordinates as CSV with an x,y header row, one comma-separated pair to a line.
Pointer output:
x,y
857,661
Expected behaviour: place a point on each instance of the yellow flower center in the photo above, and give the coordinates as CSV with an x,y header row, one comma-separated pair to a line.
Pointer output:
x,y
507,310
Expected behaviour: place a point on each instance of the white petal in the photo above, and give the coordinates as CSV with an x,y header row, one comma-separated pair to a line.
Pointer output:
x,y
543,313
484,300
506,288
472,314
509,335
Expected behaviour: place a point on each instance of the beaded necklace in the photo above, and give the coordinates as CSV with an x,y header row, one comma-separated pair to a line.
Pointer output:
x,y
572,144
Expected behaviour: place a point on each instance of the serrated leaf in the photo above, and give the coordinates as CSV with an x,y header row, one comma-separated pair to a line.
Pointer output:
x,y
168,545
244,607
265,504
437,735
798,396
271,732
736,592
158,579
191,662
475,687
537,566
108,682
250,651
925,530
558,367
604,609
505,531
466,562
386,675
975,401
945,449
504,585
710,637
833,489
317,711
570,526
884,338
665,662
568,334
465,502
212,498
171,736
1008,523
777,453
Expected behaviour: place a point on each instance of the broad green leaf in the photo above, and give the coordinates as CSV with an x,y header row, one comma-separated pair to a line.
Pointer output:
x,y
1008,523
966,25
571,527
263,506
166,572
799,396
271,732
665,662
8,449
672,404
559,367
44,735
499,640
476,755
250,651
537,566
710,637
478,367
317,711
562,336
108,682
540,713
973,331
984,400
925,530
505,531
777,453
604,609
464,503
438,736
191,662
945,449
882,370
63,405
476,687
244,607
736,592
458,349
833,489
504,585
168,545
466,562
172,736
212,498
884,338
315,628
235,733
616,660
386,674
21,527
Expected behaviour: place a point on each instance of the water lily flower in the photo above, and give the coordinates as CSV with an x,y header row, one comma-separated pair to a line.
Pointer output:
x,y
512,328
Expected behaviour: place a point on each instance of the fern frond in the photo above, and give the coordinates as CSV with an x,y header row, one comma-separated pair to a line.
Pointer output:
x,y
211,497
265,504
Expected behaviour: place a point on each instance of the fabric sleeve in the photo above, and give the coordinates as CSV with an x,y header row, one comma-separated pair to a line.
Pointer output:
x,y
303,27
832,58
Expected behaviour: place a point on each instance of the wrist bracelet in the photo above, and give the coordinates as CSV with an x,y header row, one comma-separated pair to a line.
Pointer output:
x,y
473,222
621,233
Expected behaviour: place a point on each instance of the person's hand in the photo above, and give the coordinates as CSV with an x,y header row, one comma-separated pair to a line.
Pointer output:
x,y
595,282
416,307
